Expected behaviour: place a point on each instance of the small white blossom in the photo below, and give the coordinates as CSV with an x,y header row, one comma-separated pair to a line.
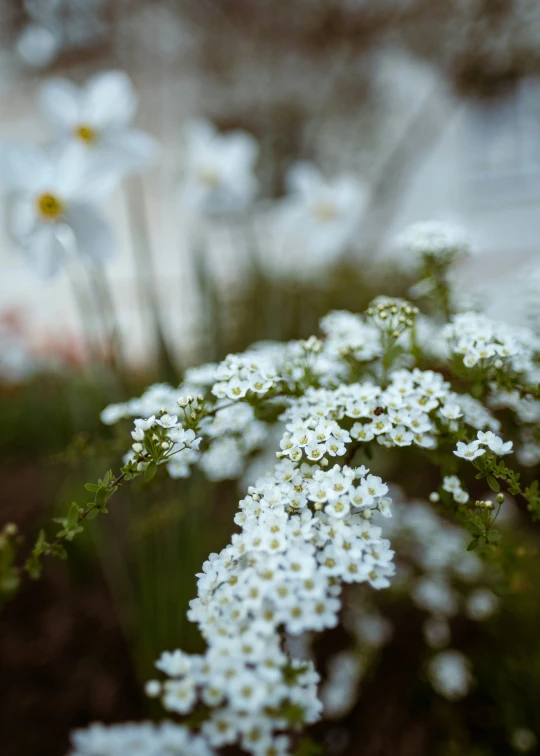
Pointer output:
x,y
97,117
469,451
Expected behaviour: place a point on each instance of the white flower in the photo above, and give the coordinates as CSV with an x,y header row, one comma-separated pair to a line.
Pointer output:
x,y
439,240
481,604
435,596
495,443
143,739
180,695
98,116
54,191
37,45
174,663
218,169
451,483
321,215
469,451
450,675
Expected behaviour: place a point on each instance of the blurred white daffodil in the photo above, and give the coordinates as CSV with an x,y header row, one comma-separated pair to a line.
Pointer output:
x,y
51,192
98,116
320,215
218,169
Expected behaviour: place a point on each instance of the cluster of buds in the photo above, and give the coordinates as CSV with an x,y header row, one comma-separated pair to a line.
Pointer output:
x,y
480,504
151,437
393,316
313,345
158,439
192,407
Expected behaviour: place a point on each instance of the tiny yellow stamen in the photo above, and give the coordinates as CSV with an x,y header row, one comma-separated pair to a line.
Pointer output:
x,y
49,206
209,176
85,133
325,211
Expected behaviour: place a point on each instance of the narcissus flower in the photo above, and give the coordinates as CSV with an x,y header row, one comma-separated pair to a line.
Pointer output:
x,y
98,117
51,192
218,169
323,215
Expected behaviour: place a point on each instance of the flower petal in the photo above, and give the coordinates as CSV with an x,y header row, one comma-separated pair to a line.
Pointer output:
x,y
22,166
92,231
59,101
82,174
109,100
129,151
45,251
304,178
23,217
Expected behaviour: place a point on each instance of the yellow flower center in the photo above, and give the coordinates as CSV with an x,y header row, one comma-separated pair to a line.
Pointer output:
x,y
85,133
209,176
49,206
325,211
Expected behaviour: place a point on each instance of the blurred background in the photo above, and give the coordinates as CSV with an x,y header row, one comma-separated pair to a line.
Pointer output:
x,y
434,107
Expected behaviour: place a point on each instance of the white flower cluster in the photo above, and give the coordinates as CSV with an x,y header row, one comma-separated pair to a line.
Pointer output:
x,y
307,526
452,484
238,374
164,439
305,530
350,334
475,448
142,739
405,413
441,241
483,341
233,434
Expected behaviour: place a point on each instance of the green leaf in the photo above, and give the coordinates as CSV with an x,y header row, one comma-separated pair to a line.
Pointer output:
x,y
150,471
73,515
91,486
493,483
473,545
41,542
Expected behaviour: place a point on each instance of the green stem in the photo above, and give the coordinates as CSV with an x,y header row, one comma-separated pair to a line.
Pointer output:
x,y
211,338
87,316
105,309
148,290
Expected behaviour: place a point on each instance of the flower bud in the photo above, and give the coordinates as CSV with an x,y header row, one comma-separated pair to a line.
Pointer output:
x,y
152,688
